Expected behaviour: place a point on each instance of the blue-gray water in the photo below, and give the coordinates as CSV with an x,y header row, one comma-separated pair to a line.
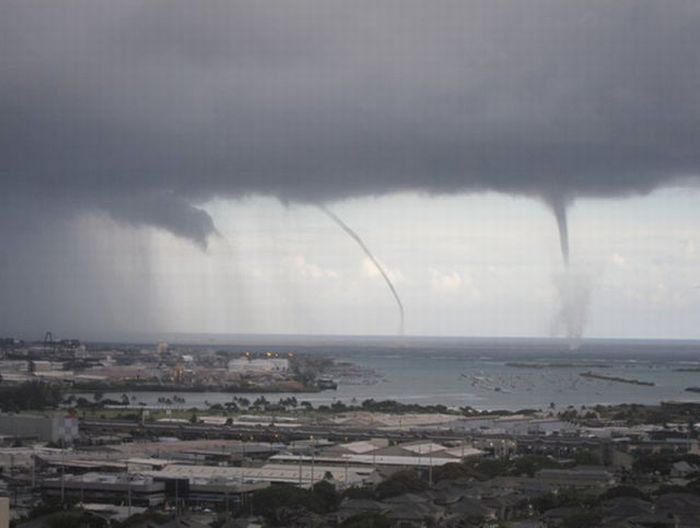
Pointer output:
x,y
474,372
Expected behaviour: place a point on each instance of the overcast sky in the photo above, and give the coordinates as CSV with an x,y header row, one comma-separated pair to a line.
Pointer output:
x,y
160,162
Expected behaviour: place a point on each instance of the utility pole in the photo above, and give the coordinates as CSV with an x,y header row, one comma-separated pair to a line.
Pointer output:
x,y
300,468
430,467
63,471
128,488
311,482
313,459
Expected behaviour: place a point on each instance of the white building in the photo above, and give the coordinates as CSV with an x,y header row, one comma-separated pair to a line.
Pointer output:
x,y
306,474
248,365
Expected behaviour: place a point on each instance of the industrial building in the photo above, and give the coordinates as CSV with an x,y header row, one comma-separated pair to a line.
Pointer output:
x,y
248,365
106,488
305,474
45,428
4,512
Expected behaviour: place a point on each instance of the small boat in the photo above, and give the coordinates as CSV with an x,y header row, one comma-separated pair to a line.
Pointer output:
x,y
326,384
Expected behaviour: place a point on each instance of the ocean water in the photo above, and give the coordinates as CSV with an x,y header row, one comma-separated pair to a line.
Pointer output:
x,y
481,373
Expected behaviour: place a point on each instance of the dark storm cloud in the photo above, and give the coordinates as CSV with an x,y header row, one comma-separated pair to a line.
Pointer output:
x,y
167,211
148,109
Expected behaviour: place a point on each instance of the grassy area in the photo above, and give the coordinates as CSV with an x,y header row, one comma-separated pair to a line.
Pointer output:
x,y
186,414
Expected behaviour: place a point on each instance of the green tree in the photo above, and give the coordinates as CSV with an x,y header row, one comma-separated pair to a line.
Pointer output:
x,y
452,471
366,520
486,468
270,502
356,492
531,464
545,502
75,519
325,497
399,483
693,486
583,520
623,491
653,463
587,457
260,403
34,395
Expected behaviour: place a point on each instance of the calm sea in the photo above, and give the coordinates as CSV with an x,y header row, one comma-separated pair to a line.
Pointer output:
x,y
483,373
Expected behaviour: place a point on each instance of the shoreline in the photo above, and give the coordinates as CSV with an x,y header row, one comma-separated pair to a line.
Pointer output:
x,y
170,389
631,381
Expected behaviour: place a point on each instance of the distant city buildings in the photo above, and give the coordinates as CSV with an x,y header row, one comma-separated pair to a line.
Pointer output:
x,y
121,368
253,365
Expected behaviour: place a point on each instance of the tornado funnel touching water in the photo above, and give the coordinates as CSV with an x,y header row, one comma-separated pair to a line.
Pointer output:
x,y
574,288
574,285
375,262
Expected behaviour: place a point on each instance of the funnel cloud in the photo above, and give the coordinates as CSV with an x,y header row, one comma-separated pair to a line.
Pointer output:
x,y
559,208
352,234
148,109
573,286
